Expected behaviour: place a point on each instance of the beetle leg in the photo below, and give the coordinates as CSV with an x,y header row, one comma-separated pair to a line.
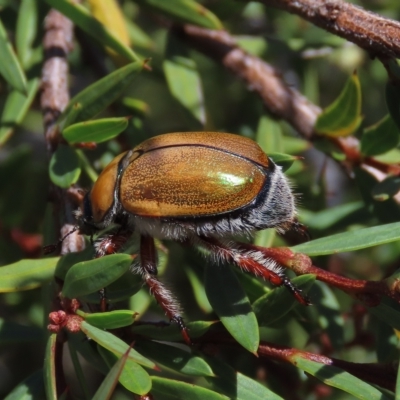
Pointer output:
x,y
253,260
111,243
163,296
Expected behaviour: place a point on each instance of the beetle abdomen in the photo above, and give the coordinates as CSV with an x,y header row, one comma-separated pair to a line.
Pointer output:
x,y
185,180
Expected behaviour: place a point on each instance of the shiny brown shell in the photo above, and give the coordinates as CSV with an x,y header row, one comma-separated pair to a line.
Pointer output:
x,y
191,174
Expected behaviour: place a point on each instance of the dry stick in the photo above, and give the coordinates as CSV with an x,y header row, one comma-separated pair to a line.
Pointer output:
x,y
57,44
378,35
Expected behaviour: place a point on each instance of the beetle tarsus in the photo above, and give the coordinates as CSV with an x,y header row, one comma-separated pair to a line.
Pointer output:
x,y
184,330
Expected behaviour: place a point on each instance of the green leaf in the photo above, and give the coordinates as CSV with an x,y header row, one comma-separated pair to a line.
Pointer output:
x,y
393,100
81,17
88,350
174,358
232,305
64,168
107,387
50,367
68,260
198,291
278,302
380,138
99,95
183,78
294,145
31,388
386,188
283,160
168,389
90,276
387,313
343,116
336,377
114,344
110,320
350,241
10,67
171,332
15,109
26,274
269,135
329,314
326,218
186,11
138,37
97,131
236,385
121,289
26,31
133,377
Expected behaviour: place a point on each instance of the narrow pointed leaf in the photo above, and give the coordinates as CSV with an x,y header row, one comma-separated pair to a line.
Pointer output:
x,y
97,131
380,138
114,344
183,79
350,241
26,31
387,313
10,68
343,116
279,301
326,218
336,377
50,368
198,290
26,274
169,389
283,160
133,377
90,276
171,332
99,95
81,17
64,167
15,109
231,304
107,387
236,385
175,358
187,11
110,320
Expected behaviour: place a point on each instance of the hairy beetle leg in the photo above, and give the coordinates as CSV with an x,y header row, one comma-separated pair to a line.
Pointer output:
x,y
253,261
163,296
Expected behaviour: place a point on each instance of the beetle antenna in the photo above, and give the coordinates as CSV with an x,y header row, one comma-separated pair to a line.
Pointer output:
x,y
51,248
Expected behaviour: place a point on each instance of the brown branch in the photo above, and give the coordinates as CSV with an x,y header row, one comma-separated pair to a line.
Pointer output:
x,y
378,35
57,44
380,374
279,98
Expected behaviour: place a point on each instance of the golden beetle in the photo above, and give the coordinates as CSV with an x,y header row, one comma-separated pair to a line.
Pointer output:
x,y
196,187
